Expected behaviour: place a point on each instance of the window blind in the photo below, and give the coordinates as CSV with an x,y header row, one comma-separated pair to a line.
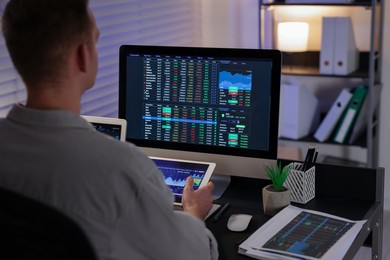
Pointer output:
x,y
11,87
146,22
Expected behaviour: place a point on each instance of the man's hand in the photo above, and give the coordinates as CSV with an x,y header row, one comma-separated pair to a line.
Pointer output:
x,y
197,202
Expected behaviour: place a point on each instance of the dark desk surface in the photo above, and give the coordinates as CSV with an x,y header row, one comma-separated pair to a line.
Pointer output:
x,y
358,199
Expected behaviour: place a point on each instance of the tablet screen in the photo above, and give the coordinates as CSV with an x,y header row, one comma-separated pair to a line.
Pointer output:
x,y
176,172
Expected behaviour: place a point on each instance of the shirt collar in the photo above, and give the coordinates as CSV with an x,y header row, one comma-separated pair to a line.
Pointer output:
x,y
45,117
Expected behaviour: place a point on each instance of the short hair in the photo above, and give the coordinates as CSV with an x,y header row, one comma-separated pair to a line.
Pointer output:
x,y
38,34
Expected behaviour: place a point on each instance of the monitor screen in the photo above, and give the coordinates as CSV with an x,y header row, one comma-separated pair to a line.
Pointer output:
x,y
202,103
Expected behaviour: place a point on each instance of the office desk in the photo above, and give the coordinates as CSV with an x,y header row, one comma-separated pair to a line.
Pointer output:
x,y
349,192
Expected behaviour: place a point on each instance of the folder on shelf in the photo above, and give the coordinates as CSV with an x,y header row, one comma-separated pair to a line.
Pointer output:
x,y
350,114
346,55
328,42
267,41
299,111
360,124
328,124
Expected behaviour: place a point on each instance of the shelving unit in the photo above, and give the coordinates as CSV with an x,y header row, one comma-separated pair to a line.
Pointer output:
x,y
304,66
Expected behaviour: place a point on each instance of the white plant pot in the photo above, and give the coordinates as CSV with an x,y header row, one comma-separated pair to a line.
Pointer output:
x,y
273,201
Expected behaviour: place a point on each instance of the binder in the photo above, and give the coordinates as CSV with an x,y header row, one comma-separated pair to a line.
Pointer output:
x,y
267,39
328,124
350,114
328,42
299,111
346,55
360,124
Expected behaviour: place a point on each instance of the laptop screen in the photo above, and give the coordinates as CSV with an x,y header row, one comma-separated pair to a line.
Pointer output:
x,y
109,129
114,127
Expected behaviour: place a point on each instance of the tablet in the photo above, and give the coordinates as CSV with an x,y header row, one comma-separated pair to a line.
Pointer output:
x,y
176,171
114,127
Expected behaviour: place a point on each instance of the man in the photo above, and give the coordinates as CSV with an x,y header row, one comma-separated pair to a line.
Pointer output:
x,y
48,152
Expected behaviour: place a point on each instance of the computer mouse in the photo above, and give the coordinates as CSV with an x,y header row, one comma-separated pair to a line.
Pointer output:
x,y
238,222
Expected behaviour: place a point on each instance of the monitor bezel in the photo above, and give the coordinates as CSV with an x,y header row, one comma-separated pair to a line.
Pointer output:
x,y
273,55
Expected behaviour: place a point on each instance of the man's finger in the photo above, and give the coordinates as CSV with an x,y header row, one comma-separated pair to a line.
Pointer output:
x,y
189,183
210,185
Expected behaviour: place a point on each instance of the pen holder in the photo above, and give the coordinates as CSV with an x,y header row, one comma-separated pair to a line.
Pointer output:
x,y
301,183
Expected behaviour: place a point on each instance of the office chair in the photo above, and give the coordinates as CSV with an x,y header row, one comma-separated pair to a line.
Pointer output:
x,y
32,230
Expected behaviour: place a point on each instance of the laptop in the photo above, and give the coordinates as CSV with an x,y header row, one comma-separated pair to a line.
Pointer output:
x,y
177,171
114,127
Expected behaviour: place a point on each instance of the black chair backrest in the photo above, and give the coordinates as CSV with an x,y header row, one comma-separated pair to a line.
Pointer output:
x,y
32,230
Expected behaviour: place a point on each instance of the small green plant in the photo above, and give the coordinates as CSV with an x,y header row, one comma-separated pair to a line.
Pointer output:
x,y
277,175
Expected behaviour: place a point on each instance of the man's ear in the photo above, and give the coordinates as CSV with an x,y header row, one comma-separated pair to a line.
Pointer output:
x,y
82,57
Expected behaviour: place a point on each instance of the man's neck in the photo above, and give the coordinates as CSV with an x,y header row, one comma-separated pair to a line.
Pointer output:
x,y
54,99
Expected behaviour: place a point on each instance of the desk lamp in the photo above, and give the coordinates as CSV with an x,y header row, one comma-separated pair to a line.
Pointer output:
x,y
293,37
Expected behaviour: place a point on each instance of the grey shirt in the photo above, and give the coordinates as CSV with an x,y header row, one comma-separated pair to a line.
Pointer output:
x,y
110,188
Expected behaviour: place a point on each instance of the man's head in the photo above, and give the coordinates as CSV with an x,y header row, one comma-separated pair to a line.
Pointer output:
x,y
40,34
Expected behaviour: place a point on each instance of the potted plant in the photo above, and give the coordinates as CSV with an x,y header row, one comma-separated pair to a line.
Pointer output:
x,y
276,196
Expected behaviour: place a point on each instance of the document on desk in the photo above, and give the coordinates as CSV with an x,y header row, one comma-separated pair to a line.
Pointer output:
x,y
296,233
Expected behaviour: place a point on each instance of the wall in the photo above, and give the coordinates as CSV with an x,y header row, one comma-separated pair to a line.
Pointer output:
x,y
230,23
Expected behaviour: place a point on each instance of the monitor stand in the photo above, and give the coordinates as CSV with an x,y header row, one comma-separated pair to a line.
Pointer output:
x,y
221,182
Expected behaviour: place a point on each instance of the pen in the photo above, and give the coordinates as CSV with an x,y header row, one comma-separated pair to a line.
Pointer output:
x,y
221,211
307,159
315,156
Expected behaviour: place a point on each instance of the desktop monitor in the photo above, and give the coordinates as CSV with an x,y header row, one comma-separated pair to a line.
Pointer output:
x,y
204,104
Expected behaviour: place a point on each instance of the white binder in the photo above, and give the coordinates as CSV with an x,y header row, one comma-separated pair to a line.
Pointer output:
x,y
328,42
346,55
267,39
329,123
299,111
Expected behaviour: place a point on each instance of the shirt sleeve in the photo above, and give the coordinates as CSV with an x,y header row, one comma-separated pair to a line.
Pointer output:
x,y
213,245
149,228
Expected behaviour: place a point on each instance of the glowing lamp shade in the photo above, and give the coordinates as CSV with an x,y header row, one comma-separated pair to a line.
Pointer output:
x,y
293,36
